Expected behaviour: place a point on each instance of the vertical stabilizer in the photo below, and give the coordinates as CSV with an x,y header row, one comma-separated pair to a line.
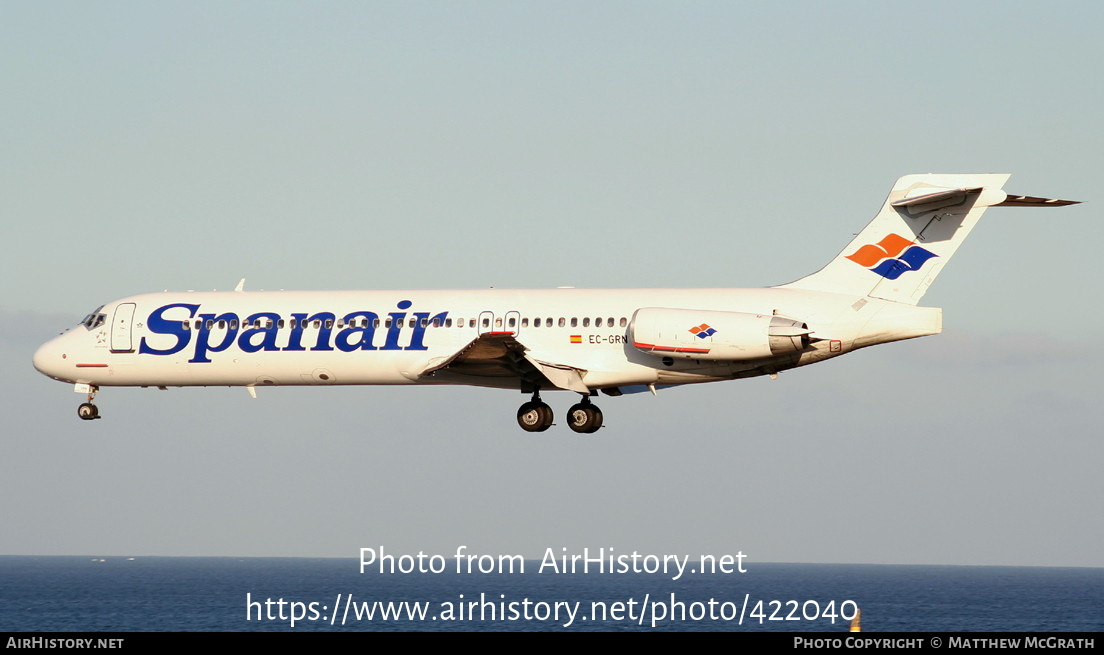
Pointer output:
x,y
919,228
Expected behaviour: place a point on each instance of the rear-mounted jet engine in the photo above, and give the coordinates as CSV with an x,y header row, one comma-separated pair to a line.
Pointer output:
x,y
716,336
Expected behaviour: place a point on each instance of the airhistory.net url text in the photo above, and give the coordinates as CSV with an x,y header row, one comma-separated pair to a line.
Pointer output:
x,y
648,611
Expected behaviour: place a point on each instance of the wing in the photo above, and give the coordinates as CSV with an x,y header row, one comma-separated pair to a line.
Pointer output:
x,y
498,359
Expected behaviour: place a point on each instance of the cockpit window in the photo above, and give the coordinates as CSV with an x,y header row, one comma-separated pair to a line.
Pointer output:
x,y
95,319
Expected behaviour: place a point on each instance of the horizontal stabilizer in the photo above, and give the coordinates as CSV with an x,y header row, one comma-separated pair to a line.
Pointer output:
x,y
927,202
1033,201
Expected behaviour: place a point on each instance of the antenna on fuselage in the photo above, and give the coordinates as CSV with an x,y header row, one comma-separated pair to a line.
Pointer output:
x,y
241,285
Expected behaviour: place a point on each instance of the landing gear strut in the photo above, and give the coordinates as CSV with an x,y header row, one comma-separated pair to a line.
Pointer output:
x,y
87,411
584,417
535,415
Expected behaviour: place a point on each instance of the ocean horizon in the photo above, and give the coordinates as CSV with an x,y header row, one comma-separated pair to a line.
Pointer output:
x,y
236,594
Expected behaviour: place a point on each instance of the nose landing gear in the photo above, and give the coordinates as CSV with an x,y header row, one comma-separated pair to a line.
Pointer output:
x,y
87,411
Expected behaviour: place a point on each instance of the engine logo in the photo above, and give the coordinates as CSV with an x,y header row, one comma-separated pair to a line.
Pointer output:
x,y
703,331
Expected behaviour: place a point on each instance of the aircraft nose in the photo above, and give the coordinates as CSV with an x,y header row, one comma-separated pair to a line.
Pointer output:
x,y
49,359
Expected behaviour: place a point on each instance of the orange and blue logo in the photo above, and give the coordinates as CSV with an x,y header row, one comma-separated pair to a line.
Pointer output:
x,y
703,331
892,257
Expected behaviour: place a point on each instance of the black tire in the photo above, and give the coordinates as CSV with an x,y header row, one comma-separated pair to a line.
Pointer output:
x,y
88,411
598,418
584,418
547,416
531,418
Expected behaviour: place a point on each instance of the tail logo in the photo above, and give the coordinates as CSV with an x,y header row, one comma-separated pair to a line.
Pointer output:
x,y
892,257
703,331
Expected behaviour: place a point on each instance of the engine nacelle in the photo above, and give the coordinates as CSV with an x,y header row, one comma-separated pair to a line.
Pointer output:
x,y
715,336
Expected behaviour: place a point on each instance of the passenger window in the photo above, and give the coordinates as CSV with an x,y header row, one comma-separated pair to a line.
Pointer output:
x,y
187,325
524,322
512,322
624,321
486,322
562,321
574,322
233,324
586,321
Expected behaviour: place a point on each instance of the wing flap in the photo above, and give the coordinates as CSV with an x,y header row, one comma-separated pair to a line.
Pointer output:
x,y
496,356
562,377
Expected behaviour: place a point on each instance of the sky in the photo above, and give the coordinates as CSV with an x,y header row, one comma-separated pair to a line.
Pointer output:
x,y
366,145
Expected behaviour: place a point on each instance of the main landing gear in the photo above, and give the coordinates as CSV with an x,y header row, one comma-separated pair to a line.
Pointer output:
x,y
87,411
536,416
584,417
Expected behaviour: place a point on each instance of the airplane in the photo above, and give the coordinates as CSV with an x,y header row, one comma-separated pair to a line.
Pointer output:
x,y
586,341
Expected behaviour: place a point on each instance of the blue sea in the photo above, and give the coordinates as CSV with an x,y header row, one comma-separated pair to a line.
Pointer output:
x,y
120,594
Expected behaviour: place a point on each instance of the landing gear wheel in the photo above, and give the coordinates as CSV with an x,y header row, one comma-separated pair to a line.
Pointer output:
x,y
584,418
534,416
88,411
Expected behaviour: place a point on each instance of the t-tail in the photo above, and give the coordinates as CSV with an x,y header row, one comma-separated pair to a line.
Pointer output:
x,y
919,228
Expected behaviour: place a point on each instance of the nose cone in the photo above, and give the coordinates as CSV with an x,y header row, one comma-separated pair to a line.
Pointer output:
x,y
50,360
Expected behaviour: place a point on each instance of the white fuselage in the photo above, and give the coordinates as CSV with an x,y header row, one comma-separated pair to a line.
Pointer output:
x,y
259,338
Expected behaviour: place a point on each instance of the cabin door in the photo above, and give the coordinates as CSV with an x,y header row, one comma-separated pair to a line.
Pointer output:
x,y
122,339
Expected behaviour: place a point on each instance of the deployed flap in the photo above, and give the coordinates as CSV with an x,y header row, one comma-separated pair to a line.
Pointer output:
x,y
498,355
562,377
